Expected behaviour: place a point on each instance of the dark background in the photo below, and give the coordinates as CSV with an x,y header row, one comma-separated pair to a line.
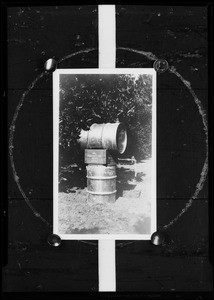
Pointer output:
x,y
178,34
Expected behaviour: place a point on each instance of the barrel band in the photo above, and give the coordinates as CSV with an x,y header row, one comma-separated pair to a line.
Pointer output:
x,y
101,177
101,193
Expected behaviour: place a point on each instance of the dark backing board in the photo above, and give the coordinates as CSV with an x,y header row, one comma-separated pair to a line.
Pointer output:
x,y
178,34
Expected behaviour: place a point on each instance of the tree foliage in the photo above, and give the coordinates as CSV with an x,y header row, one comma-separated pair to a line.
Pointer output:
x,y
102,98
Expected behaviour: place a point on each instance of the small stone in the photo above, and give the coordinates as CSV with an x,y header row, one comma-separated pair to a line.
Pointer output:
x,y
161,65
50,65
54,240
157,238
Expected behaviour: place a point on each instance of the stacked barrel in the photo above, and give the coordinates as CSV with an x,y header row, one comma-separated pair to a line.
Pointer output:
x,y
99,142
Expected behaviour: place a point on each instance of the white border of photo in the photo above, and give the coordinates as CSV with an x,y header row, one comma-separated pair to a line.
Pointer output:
x,y
56,84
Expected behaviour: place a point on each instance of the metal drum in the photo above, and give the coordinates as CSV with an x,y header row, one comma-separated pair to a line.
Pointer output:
x,y
110,136
101,183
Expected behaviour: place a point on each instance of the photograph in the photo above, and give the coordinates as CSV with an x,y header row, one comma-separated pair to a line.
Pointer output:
x,y
104,177
106,139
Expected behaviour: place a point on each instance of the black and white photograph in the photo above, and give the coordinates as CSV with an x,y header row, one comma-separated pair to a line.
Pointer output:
x,y
106,131
104,153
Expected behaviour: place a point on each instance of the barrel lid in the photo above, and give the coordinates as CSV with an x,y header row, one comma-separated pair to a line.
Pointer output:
x,y
121,138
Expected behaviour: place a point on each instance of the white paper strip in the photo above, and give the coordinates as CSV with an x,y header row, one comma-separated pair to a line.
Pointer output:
x,y
107,59
107,36
107,266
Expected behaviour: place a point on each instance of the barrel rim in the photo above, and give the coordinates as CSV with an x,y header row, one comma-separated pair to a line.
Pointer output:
x,y
101,177
121,125
101,193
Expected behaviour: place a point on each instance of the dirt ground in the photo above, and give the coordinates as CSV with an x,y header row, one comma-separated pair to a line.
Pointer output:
x,y
130,214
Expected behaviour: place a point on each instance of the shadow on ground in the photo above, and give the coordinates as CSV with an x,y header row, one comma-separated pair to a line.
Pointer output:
x,y
71,178
126,180
93,230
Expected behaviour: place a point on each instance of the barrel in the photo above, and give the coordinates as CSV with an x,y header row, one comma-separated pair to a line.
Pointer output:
x,y
110,136
101,183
